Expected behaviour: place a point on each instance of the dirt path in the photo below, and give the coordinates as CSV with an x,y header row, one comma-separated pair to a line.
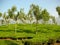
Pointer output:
x,y
57,44
10,38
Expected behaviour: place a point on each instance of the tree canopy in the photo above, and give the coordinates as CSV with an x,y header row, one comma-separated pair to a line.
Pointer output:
x,y
58,9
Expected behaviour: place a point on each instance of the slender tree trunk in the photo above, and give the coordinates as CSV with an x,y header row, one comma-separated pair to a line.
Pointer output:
x,y
22,20
16,29
36,26
30,21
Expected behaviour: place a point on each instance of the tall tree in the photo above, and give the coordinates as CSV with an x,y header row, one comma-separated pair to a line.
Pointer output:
x,y
30,15
0,14
45,15
37,14
14,9
53,19
1,21
22,16
5,17
16,16
58,10
10,13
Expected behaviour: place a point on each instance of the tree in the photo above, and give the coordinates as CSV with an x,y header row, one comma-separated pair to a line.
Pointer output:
x,y
6,18
53,19
10,13
30,16
58,10
45,15
37,13
1,21
22,16
16,16
14,9
0,14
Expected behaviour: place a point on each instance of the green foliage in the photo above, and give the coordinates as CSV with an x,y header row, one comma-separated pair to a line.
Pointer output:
x,y
36,11
14,8
44,32
7,42
53,18
11,12
45,15
0,14
58,10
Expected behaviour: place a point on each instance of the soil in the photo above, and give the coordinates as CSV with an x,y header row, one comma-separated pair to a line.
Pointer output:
x,y
57,44
9,38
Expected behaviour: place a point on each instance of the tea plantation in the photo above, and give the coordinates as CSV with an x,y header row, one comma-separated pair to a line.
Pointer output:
x,y
45,32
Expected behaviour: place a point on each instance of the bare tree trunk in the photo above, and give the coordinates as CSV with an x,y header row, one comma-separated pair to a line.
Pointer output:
x,y
36,26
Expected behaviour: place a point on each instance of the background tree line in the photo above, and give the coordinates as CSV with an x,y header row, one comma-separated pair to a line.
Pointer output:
x,y
35,12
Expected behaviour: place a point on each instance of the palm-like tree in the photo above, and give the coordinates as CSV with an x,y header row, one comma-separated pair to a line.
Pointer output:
x,y
0,14
22,16
13,10
45,15
5,18
53,19
58,10
37,13
0,17
30,16
11,14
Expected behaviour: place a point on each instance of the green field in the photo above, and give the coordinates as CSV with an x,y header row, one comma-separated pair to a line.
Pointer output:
x,y
44,32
